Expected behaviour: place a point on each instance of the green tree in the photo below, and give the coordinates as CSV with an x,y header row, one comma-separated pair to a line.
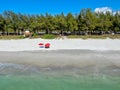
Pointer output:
x,y
2,23
116,22
82,26
71,22
61,22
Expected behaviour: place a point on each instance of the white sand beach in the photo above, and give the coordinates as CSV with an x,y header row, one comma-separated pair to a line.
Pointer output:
x,y
32,44
69,56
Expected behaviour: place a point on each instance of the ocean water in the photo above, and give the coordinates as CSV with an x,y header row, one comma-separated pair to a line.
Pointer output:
x,y
19,76
38,82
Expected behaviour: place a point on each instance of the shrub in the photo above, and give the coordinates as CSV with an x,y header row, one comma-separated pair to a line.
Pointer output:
x,y
48,36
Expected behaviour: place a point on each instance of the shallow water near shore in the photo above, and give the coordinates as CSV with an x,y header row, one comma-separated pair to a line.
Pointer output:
x,y
39,82
60,70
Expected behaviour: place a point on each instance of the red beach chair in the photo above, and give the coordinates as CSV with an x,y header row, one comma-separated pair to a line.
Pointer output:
x,y
47,45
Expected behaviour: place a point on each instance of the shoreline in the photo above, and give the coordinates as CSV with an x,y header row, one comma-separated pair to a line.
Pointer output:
x,y
60,57
84,61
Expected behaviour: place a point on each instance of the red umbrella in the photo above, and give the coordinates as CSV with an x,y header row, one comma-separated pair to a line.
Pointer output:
x,y
40,44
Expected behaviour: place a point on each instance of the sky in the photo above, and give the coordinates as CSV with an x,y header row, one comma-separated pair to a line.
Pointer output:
x,y
56,6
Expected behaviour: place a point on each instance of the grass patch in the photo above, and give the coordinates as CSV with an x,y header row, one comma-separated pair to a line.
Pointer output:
x,y
94,36
48,36
12,37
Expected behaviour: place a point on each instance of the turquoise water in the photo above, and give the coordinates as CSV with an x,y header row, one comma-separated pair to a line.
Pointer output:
x,y
53,82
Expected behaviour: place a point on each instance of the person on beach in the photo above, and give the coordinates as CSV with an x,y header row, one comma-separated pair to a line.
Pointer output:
x,y
60,36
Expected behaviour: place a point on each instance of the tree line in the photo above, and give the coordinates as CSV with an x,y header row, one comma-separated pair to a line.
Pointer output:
x,y
86,22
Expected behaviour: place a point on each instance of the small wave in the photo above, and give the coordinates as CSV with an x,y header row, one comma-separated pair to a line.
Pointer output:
x,y
7,65
6,68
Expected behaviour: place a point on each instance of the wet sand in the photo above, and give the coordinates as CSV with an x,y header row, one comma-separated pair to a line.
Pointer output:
x,y
71,61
